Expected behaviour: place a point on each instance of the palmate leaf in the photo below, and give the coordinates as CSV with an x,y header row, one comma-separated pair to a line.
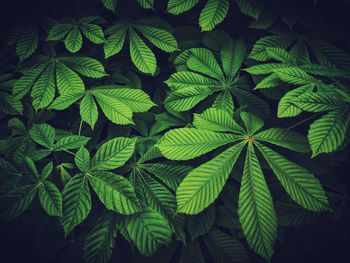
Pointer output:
x,y
301,186
113,153
100,240
76,202
152,29
188,143
115,192
203,184
255,207
72,33
60,72
148,230
50,199
328,133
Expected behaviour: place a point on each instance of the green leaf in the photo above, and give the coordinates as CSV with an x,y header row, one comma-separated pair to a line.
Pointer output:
x,y
58,31
113,153
202,185
203,61
115,110
74,40
43,90
137,100
115,42
200,224
147,4
16,201
160,38
225,248
255,208
110,4
46,171
216,120
82,159
284,138
259,52
115,192
86,66
250,8
148,230
50,199
70,142
88,110
43,134
299,183
187,79
27,44
177,7
251,122
232,56
280,55
188,143
141,55
65,100
100,241
76,202
286,107
93,32
294,75
213,13
328,133
186,98
224,102
318,101
67,80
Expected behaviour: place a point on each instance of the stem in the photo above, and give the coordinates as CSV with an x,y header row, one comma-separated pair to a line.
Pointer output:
x,y
302,121
80,126
67,151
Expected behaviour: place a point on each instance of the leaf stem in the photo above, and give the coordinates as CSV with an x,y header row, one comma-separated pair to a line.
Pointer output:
x,y
304,120
80,127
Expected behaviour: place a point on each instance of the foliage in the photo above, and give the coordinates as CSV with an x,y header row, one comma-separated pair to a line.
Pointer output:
x,y
134,131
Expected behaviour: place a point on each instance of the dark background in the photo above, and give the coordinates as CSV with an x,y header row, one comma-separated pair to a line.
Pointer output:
x,y
33,238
